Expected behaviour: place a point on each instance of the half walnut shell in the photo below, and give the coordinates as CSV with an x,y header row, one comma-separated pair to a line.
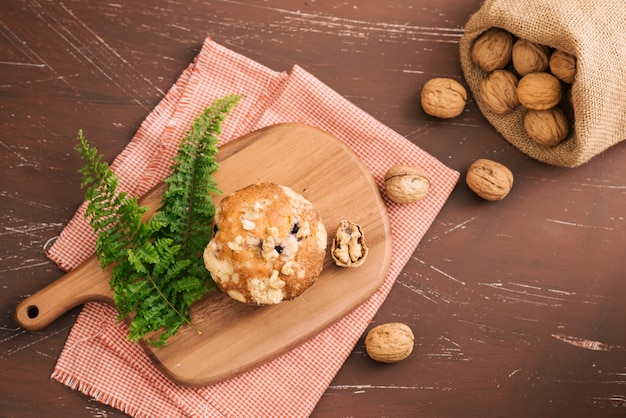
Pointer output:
x,y
348,248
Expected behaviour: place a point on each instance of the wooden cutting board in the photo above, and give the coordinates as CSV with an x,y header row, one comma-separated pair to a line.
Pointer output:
x,y
236,337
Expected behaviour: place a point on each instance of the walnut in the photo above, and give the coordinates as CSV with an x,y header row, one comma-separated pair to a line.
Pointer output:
x,y
529,57
406,183
546,127
498,92
389,343
490,180
539,91
443,98
348,248
563,66
492,49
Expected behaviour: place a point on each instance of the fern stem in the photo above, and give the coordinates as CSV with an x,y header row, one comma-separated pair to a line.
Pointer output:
x,y
183,317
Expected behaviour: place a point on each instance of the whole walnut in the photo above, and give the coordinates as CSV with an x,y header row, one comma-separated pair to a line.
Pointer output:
x,y
492,49
406,183
443,98
389,343
529,57
539,91
498,92
489,179
563,66
546,127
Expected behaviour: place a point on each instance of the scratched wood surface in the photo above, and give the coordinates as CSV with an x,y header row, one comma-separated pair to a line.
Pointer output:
x,y
517,307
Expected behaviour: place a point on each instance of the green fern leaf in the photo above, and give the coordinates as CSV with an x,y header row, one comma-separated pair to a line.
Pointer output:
x,y
158,272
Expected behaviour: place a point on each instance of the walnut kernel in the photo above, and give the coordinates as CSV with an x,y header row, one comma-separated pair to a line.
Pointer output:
x,y
348,248
546,127
489,179
498,92
444,98
389,343
406,183
539,91
492,49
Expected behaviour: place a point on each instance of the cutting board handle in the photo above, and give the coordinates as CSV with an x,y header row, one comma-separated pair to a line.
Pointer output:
x,y
86,283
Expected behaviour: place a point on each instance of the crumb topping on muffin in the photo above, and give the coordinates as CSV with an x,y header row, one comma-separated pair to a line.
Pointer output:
x,y
269,244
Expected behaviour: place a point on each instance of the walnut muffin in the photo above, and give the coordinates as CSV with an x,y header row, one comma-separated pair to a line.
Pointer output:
x,y
268,245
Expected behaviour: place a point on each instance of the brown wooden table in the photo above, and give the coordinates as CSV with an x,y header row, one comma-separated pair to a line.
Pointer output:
x,y
518,307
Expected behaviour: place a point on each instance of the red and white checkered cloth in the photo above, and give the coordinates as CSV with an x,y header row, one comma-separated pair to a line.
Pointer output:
x,y
98,360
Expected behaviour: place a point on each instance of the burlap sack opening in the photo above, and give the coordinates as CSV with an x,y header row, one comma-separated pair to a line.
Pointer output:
x,y
591,30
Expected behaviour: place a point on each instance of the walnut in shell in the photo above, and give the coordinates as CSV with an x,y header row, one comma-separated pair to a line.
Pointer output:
x,y
529,57
539,91
546,127
348,248
492,49
406,183
563,66
444,98
498,92
489,179
389,343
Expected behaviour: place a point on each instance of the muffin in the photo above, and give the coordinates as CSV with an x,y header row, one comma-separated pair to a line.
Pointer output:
x,y
268,244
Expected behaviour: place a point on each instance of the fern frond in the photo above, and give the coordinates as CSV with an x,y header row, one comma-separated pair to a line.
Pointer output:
x,y
159,272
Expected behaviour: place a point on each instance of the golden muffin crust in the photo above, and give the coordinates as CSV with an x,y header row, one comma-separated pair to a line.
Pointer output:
x,y
268,245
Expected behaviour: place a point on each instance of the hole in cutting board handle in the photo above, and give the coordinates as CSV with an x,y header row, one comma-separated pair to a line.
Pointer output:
x,y
32,311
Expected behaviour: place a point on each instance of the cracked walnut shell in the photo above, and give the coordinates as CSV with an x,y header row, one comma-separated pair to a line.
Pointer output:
x,y
488,179
498,92
389,343
348,247
444,98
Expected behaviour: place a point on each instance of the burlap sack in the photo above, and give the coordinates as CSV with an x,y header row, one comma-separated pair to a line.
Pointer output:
x,y
594,31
